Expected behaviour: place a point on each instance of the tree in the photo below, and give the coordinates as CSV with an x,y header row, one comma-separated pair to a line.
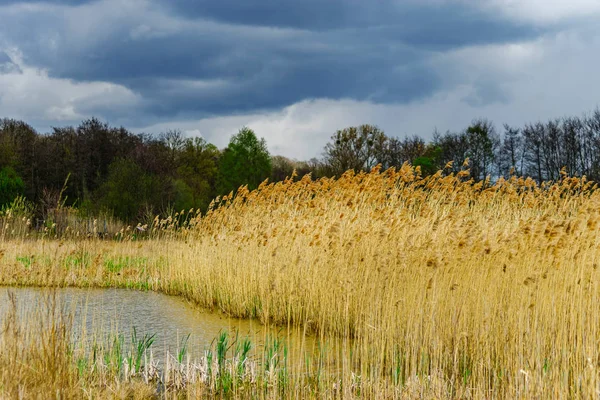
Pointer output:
x,y
429,161
8,150
591,145
482,142
533,137
358,148
126,189
453,147
174,140
197,172
245,161
511,152
11,186
397,151
18,146
283,168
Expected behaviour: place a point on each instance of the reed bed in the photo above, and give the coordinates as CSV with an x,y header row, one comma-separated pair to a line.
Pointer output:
x,y
45,352
440,287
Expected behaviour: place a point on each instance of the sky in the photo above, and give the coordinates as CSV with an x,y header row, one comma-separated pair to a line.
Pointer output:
x,y
295,71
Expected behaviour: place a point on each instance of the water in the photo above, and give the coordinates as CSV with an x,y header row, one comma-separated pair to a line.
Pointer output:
x,y
117,311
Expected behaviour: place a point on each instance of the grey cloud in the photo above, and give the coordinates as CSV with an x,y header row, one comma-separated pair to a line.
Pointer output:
x,y
486,92
7,65
195,59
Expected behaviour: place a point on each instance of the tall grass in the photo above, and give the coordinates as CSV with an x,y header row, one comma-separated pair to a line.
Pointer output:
x,y
436,286
44,353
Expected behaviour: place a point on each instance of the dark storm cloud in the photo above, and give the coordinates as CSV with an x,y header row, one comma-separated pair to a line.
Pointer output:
x,y
307,14
437,25
64,2
213,57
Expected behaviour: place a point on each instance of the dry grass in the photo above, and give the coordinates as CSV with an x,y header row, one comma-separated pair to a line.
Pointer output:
x,y
447,288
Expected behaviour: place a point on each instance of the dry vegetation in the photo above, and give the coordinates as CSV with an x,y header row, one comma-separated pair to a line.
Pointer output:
x,y
440,286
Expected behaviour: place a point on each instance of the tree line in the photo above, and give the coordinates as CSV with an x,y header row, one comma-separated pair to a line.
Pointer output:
x,y
539,150
97,168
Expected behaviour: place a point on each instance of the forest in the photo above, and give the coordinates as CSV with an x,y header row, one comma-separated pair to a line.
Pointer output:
x,y
101,170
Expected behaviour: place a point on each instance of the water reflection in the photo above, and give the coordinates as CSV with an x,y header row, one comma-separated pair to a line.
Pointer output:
x,y
170,319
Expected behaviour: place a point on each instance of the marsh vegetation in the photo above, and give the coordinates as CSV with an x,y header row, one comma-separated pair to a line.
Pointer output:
x,y
434,287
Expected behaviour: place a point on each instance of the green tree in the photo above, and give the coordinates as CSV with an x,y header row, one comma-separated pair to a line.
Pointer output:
x,y
18,149
245,161
184,198
11,186
429,161
125,190
197,172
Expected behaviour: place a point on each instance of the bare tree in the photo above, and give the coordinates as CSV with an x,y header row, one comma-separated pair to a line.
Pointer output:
x,y
482,144
511,152
174,139
357,148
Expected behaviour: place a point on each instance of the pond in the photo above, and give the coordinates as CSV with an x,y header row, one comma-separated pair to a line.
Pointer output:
x,y
111,312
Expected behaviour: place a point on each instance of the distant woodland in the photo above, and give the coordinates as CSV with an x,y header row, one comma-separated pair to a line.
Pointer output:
x,y
96,169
